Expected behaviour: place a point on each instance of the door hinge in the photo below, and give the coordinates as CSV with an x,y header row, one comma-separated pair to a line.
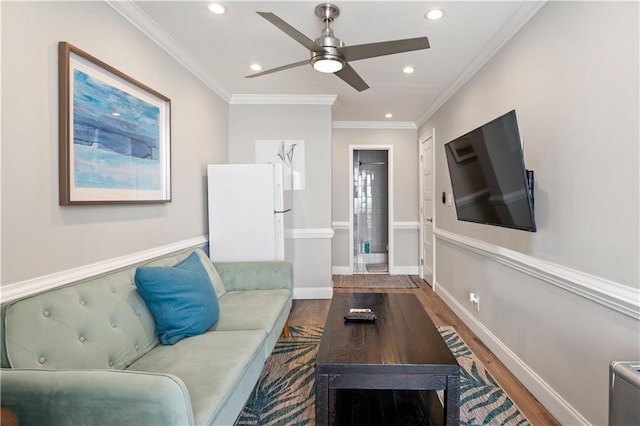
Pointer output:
x,y
422,261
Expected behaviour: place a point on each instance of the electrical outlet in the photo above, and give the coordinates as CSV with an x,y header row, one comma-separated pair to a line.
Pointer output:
x,y
475,300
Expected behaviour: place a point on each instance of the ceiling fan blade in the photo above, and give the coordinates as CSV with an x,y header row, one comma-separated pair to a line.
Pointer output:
x,y
351,77
282,68
371,50
290,31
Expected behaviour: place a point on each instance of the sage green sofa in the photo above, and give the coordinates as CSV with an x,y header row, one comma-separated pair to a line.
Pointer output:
x,y
87,353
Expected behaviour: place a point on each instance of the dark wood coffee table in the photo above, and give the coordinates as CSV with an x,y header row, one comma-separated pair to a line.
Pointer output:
x,y
401,350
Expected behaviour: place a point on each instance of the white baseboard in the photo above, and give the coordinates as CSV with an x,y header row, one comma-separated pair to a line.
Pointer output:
x,y
36,285
558,406
341,270
312,292
406,270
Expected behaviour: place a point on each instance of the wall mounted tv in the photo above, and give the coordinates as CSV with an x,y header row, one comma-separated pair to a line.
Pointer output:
x,y
489,180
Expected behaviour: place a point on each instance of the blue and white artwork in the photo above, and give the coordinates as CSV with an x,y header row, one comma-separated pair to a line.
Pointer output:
x,y
116,137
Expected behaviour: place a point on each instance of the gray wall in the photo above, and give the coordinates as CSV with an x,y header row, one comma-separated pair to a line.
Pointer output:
x,y
38,236
311,256
405,189
572,75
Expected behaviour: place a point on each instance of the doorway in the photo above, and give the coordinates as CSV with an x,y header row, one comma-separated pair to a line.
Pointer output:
x,y
370,212
427,210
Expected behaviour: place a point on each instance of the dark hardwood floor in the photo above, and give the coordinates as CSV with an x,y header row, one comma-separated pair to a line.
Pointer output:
x,y
308,312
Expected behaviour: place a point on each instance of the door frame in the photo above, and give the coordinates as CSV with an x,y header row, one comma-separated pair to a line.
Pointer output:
x,y
389,149
428,137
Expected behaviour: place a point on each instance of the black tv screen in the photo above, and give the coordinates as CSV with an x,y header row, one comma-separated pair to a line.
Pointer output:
x,y
489,180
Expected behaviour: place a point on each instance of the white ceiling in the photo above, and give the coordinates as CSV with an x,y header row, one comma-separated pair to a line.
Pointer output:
x,y
220,48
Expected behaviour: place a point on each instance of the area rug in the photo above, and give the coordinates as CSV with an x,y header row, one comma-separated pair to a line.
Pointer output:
x,y
284,394
373,281
482,400
377,268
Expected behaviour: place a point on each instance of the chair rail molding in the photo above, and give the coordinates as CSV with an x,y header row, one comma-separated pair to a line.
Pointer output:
x,y
36,285
308,233
344,225
613,295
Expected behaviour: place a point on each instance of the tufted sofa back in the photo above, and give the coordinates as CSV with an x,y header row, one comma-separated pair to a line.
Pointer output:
x,y
98,323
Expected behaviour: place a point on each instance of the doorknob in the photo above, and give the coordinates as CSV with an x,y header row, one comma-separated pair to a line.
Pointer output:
x,y
429,219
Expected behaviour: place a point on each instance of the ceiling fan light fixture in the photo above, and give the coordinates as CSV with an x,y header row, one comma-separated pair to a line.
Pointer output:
x,y
327,65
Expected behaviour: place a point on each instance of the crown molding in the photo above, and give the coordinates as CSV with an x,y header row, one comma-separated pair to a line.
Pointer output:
x,y
394,125
257,99
517,20
132,13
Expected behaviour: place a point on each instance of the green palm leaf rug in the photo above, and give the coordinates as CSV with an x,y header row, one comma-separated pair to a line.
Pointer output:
x,y
284,394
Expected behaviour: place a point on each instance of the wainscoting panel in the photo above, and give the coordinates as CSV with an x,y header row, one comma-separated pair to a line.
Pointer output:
x,y
618,297
555,328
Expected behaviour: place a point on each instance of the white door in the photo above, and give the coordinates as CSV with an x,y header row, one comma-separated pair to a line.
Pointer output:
x,y
426,209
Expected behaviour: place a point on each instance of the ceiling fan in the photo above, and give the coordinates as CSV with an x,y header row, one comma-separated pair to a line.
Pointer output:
x,y
330,55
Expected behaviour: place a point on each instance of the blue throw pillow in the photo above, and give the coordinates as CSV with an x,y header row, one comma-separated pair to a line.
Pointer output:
x,y
181,299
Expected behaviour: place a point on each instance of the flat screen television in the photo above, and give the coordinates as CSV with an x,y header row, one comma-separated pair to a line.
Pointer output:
x,y
489,180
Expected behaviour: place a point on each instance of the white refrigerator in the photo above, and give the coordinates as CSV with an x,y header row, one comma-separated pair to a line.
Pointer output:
x,y
246,212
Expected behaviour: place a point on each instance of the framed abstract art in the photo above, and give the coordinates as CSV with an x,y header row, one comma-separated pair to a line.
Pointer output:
x,y
114,134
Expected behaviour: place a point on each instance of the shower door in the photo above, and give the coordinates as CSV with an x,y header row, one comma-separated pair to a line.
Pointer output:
x,y
370,211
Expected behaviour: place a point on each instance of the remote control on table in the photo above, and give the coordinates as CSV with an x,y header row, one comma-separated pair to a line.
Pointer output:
x,y
360,317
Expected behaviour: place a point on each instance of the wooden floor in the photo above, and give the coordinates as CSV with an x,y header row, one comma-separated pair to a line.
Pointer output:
x,y
308,312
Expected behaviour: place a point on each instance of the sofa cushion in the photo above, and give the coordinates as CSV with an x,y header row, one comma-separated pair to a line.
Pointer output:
x,y
214,276
251,309
218,368
181,298
99,323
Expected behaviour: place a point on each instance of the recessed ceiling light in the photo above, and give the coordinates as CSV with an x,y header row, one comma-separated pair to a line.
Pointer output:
x,y
217,8
255,67
408,70
434,14
388,115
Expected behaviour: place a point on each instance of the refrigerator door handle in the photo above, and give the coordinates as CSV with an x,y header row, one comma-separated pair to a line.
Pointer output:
x,y
281,211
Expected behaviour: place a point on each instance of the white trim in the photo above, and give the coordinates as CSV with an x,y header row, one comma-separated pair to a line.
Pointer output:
x,y
147,26
343,226
394,125
551,399
613,295
427,273
341,270
32,286
309,233
406,270
406,225
520,17
282,99
312,292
